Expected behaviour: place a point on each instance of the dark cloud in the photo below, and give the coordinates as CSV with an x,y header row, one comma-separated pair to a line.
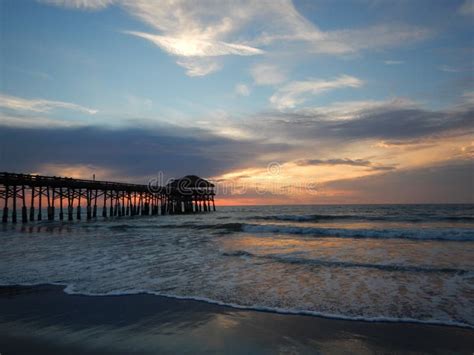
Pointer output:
x,y
350,162
403,124
385,123
132,152
452,182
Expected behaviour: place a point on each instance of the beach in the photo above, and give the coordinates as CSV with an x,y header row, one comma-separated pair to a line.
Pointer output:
x,y
44,319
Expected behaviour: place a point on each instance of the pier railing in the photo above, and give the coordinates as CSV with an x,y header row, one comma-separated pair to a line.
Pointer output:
x,y
28,195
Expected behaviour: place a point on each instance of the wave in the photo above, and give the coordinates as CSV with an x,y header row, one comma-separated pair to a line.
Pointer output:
x,y
344,264
239,253
393,218
69,289
192,225
451,234
414,234
457,218
304,218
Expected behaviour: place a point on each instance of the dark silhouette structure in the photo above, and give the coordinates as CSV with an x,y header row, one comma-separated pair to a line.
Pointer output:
x,y
189,194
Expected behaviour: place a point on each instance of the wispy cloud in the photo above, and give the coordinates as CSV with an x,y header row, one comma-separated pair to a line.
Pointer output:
x,y
34,121
345,41
195,33
468,98
81,4
193,46
199,66
393,62
371,38
193,51
212,29
449,69
267,74
350,110
242,90
39,105
345,161
296,92
467,8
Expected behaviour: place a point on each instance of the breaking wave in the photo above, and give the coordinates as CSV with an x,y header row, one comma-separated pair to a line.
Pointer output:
x,y
418,234
343,264
450,234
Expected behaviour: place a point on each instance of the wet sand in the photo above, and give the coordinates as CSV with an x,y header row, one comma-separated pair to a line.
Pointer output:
x,y
43,319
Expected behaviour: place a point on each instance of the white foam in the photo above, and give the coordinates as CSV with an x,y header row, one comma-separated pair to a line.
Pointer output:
x,y
69,289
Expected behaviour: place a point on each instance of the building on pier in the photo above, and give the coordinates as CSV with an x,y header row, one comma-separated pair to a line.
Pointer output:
x,y
190,194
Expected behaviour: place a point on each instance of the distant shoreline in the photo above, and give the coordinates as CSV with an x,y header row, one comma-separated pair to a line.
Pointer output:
x,y
45,319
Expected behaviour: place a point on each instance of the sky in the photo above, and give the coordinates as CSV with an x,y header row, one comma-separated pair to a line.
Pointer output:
x,y
277,102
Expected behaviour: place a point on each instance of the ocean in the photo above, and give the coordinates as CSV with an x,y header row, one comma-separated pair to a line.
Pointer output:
x,y
405,263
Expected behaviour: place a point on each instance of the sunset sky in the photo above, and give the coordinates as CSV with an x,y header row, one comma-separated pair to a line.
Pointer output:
x,y
364,101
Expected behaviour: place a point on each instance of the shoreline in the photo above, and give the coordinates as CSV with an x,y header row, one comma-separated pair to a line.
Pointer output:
x,y
69,290
46,318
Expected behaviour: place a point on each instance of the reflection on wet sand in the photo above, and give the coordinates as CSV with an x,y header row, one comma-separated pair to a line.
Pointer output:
x,y
43,318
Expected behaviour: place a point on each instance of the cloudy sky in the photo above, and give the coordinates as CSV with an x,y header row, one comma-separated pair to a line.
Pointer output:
x,y
363,101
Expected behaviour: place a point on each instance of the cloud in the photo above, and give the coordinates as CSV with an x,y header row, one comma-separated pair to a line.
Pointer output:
x,y
403,123
448,69
196,35
375,120
267,74
296,92
450,182
467,8
39,105
370,38
212,29
33,121
393,62
137,103
242,90
192,46
345,41
349,110
81,4
468,98
199,66
133,152
345,161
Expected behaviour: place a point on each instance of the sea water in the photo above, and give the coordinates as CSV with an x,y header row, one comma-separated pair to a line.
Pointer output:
x,y
366,262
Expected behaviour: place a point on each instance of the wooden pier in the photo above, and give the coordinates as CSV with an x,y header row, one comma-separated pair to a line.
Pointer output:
x,y
29,196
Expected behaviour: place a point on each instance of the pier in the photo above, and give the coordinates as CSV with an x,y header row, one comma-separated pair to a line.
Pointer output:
x,y
27,197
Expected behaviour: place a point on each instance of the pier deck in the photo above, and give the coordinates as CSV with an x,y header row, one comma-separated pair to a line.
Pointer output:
x,y
27,195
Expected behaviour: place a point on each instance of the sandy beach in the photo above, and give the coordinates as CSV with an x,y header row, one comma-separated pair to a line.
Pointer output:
x,y
44,319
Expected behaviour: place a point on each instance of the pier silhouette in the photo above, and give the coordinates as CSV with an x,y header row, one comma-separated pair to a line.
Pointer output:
x,y
23,193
